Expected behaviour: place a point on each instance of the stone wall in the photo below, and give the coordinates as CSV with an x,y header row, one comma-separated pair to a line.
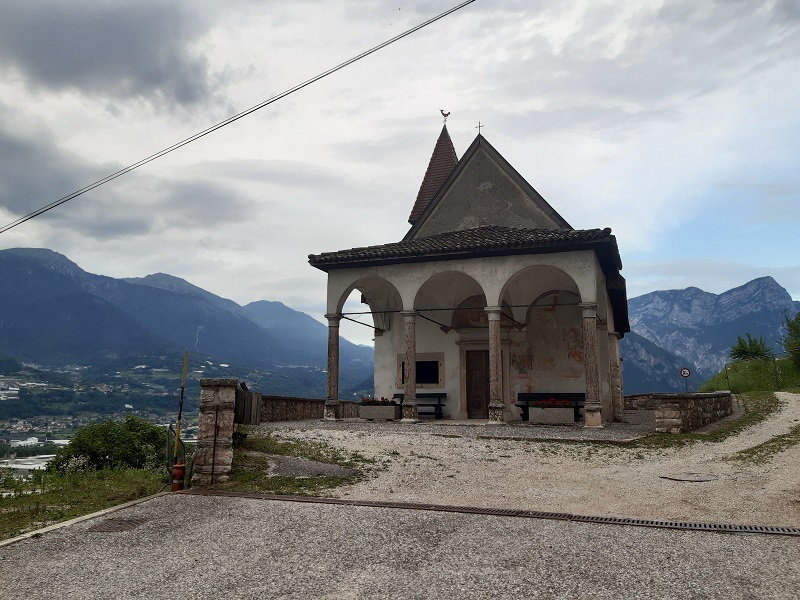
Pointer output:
x,y
287,408
679,413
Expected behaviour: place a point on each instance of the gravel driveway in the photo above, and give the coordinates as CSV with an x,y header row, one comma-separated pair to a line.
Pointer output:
x,y
511,467
185,546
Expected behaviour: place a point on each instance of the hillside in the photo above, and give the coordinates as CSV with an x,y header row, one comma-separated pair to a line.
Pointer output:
x,y
54,313
701,326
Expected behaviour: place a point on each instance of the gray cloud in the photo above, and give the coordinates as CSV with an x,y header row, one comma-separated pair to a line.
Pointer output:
x,y
116,49
34,173
648,65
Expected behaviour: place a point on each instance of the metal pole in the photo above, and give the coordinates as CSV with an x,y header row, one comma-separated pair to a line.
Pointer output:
x,y
775,370
180,407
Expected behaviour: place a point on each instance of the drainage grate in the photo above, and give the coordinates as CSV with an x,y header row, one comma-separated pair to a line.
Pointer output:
x,y
112,525
719,527
511,512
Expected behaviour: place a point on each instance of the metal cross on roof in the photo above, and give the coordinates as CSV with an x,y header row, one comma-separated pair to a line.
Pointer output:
x,y
479,127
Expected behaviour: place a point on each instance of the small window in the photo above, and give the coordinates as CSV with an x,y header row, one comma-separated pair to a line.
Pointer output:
x,y
430,370
427,371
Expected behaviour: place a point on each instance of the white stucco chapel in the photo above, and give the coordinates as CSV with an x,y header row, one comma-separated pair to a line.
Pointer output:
x,y
490,300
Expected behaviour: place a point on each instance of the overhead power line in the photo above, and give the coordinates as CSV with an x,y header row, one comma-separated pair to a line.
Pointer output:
x,y
227,121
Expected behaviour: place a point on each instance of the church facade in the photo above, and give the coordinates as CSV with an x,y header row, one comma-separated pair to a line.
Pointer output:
x,y
490,297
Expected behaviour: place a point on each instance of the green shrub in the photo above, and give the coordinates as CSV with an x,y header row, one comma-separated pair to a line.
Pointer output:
x,y
750,348
132,444
791,343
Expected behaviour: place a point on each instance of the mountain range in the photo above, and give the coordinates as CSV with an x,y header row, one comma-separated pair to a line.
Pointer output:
x,y
54,313
695,329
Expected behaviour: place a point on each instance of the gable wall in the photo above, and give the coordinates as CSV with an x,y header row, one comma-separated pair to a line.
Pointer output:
x,y
484,194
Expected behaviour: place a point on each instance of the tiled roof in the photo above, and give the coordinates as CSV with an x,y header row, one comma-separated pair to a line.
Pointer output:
x,y
443,161
480,240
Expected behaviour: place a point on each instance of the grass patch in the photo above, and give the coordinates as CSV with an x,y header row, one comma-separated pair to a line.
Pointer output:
x,y
50,498
753,375
765,451
250,467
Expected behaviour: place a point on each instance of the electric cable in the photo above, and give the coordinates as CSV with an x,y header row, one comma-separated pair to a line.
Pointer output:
x,y
228,121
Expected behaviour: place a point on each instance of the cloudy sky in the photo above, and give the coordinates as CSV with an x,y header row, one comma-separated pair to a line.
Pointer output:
x,y
675,123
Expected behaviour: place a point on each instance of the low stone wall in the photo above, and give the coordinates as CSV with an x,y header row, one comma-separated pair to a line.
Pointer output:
x,y
287,408
679,413
213,458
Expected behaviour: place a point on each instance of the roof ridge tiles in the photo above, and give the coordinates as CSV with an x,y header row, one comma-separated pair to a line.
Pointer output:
x,y
487,237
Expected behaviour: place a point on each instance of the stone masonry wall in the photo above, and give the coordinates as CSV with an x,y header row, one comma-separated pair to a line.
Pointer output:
x,y
287,408
679,413
213,456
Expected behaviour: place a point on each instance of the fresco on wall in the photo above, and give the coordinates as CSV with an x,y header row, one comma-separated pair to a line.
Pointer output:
x,y
550,349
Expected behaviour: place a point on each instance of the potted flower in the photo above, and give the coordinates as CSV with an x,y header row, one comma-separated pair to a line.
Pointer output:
x,y
378,409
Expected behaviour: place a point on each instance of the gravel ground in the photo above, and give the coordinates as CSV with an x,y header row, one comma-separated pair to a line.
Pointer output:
x,y
208,547
453,464
214,547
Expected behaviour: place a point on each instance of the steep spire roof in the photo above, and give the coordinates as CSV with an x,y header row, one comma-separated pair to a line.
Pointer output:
x,y
443,161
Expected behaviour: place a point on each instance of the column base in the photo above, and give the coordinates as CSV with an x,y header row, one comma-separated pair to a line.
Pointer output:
x,y
410,413
496,410
593,418
331,412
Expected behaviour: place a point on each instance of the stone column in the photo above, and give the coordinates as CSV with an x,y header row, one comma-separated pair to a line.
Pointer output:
x,y
332,389
496,404
617,398
213,457
593,413
410,412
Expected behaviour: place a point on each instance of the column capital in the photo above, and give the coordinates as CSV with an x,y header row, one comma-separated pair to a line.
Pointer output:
x,y
333,319
409,316
589,309
493,312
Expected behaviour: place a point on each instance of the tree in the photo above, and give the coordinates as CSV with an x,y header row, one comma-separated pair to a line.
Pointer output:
x,y
791,343
133,444
750,348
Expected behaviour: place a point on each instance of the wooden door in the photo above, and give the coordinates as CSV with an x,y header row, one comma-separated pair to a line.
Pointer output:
x,y
477,384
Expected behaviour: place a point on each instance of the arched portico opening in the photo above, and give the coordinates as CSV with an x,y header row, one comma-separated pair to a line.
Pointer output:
x,y
364,313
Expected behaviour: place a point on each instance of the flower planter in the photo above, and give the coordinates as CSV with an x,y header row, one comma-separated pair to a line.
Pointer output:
x,y
551,416
389,412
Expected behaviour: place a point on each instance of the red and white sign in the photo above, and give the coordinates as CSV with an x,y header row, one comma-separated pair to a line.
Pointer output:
x,y
685,372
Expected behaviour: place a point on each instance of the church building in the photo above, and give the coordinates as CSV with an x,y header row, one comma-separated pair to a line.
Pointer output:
x,y
490,299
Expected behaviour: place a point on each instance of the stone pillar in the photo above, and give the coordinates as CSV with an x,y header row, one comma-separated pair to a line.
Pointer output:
x,y
213,457
593,413
604,368
410,412
617,398
496,404
332,388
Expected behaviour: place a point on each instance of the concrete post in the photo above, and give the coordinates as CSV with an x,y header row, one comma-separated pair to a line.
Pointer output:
x,y
213,457
410,412
593,412
496,404
332,389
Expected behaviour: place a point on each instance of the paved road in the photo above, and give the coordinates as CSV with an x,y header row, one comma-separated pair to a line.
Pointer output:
x,y
222,547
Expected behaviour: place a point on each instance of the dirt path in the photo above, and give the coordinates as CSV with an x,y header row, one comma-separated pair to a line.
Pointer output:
x,y
583,478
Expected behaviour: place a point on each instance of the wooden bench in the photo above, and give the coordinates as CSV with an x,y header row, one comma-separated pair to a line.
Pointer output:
x,y
430,403
573,400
